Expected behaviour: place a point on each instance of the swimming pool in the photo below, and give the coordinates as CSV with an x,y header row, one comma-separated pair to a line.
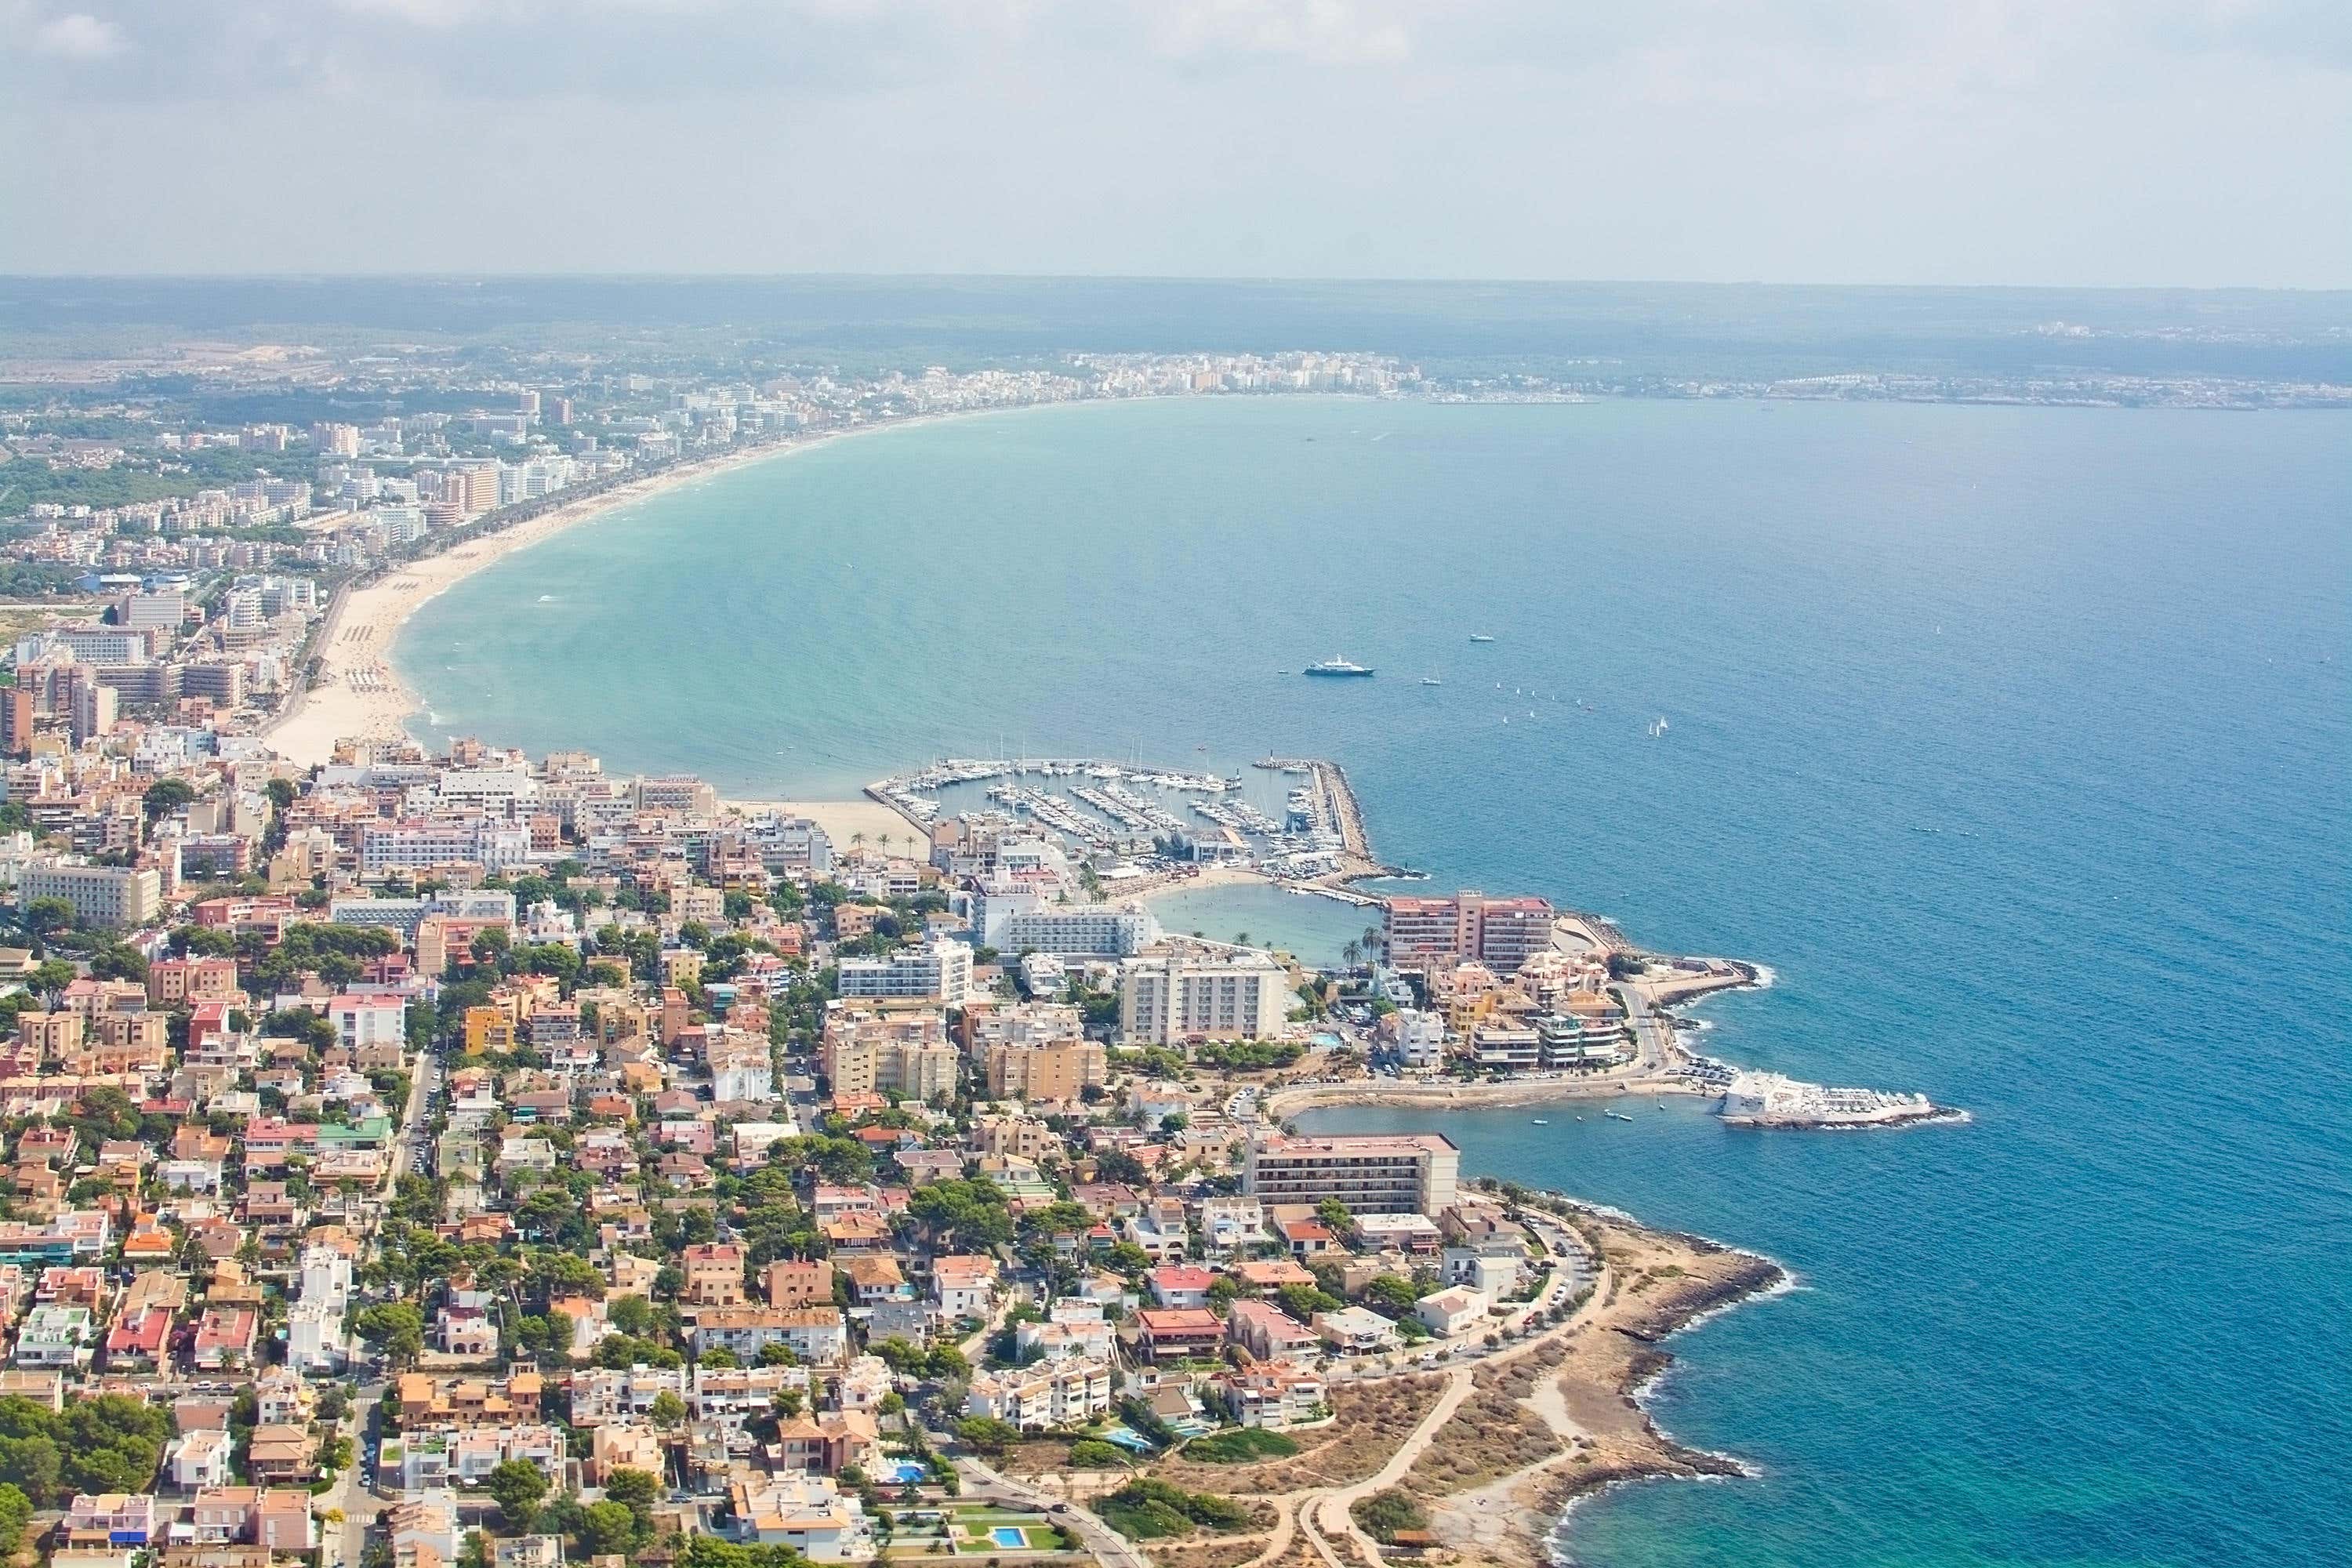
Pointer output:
x,y
904,1472
1008,1535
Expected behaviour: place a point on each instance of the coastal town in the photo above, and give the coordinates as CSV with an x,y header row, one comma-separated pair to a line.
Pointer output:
x,y
461,1157
477,1158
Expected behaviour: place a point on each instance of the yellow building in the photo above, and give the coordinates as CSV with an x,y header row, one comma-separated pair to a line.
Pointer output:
x,y
490,1029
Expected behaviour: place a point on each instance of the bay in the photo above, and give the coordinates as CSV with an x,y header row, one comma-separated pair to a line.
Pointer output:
x,y
2013,740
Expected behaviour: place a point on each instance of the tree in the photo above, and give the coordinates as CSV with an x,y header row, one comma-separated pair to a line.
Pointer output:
x,y
607,1527
1384,1514
668,1410
986,1434
42,916
711,1551
16,1513
202,942
969,1214
1303,1302
165,797
516,1487
718,1356
636,1490
395,1327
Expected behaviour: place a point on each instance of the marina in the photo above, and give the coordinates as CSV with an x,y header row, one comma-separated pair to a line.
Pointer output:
x,y
1298,825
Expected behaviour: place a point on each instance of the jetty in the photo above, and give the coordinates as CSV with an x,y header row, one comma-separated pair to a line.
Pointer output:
x,y
1774,1099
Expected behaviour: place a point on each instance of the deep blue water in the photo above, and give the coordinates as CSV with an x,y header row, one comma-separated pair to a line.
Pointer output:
x,y
2015,741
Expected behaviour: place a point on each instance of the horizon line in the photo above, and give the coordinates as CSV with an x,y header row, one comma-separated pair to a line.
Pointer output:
x,y
1222,280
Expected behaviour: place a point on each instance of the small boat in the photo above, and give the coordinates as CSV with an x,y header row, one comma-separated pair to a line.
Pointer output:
x,y
1538,1121
1431,680
1480,636
1618,1116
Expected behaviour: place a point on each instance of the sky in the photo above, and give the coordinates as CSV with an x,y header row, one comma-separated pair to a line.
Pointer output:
x,y
2079,143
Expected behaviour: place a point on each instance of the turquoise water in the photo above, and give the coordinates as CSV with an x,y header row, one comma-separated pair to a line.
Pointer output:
x,y
2014,739
1316,928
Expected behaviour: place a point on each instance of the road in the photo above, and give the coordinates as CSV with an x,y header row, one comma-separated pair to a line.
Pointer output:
x,y
1652,1036
1111,1549
340,1546
408,1149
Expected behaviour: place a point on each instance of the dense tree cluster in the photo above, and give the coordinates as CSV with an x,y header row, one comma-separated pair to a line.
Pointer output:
x,y
109,1444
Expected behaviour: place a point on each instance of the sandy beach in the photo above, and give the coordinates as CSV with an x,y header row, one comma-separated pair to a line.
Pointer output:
x,y
358,694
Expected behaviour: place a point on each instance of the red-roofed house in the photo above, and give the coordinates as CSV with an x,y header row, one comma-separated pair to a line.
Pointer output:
x,y
1179,1334
1180,1285
224,1333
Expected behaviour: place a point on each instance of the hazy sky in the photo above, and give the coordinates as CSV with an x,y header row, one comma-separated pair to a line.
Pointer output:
x,y
2063,142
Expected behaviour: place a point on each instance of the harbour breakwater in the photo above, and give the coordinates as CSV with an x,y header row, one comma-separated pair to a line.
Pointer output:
x,y
1160,826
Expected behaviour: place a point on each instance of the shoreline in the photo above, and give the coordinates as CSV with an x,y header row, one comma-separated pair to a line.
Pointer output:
x,y
356,635
1497,1449
1590,1403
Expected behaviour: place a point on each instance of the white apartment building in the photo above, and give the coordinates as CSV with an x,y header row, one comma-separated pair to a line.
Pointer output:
x,y
940,972
622,1394
1168,996
1419,1038
1385,1172
413,846
1015,918
315,1342
1050,1393
116,895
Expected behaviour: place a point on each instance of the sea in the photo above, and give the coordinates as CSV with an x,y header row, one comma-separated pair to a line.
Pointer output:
x,y
2015,741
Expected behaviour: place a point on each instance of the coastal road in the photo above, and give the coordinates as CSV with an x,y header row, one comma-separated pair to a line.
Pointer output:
x,y
1652,1036
1110,1549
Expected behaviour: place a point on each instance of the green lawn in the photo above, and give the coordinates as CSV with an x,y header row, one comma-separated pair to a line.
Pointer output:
x,y
1240,1447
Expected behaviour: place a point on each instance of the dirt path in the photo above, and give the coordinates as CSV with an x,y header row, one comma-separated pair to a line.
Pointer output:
x,y
1293,1511
1331,1508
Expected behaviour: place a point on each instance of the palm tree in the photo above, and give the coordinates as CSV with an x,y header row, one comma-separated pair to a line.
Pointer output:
x,y
1352,951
